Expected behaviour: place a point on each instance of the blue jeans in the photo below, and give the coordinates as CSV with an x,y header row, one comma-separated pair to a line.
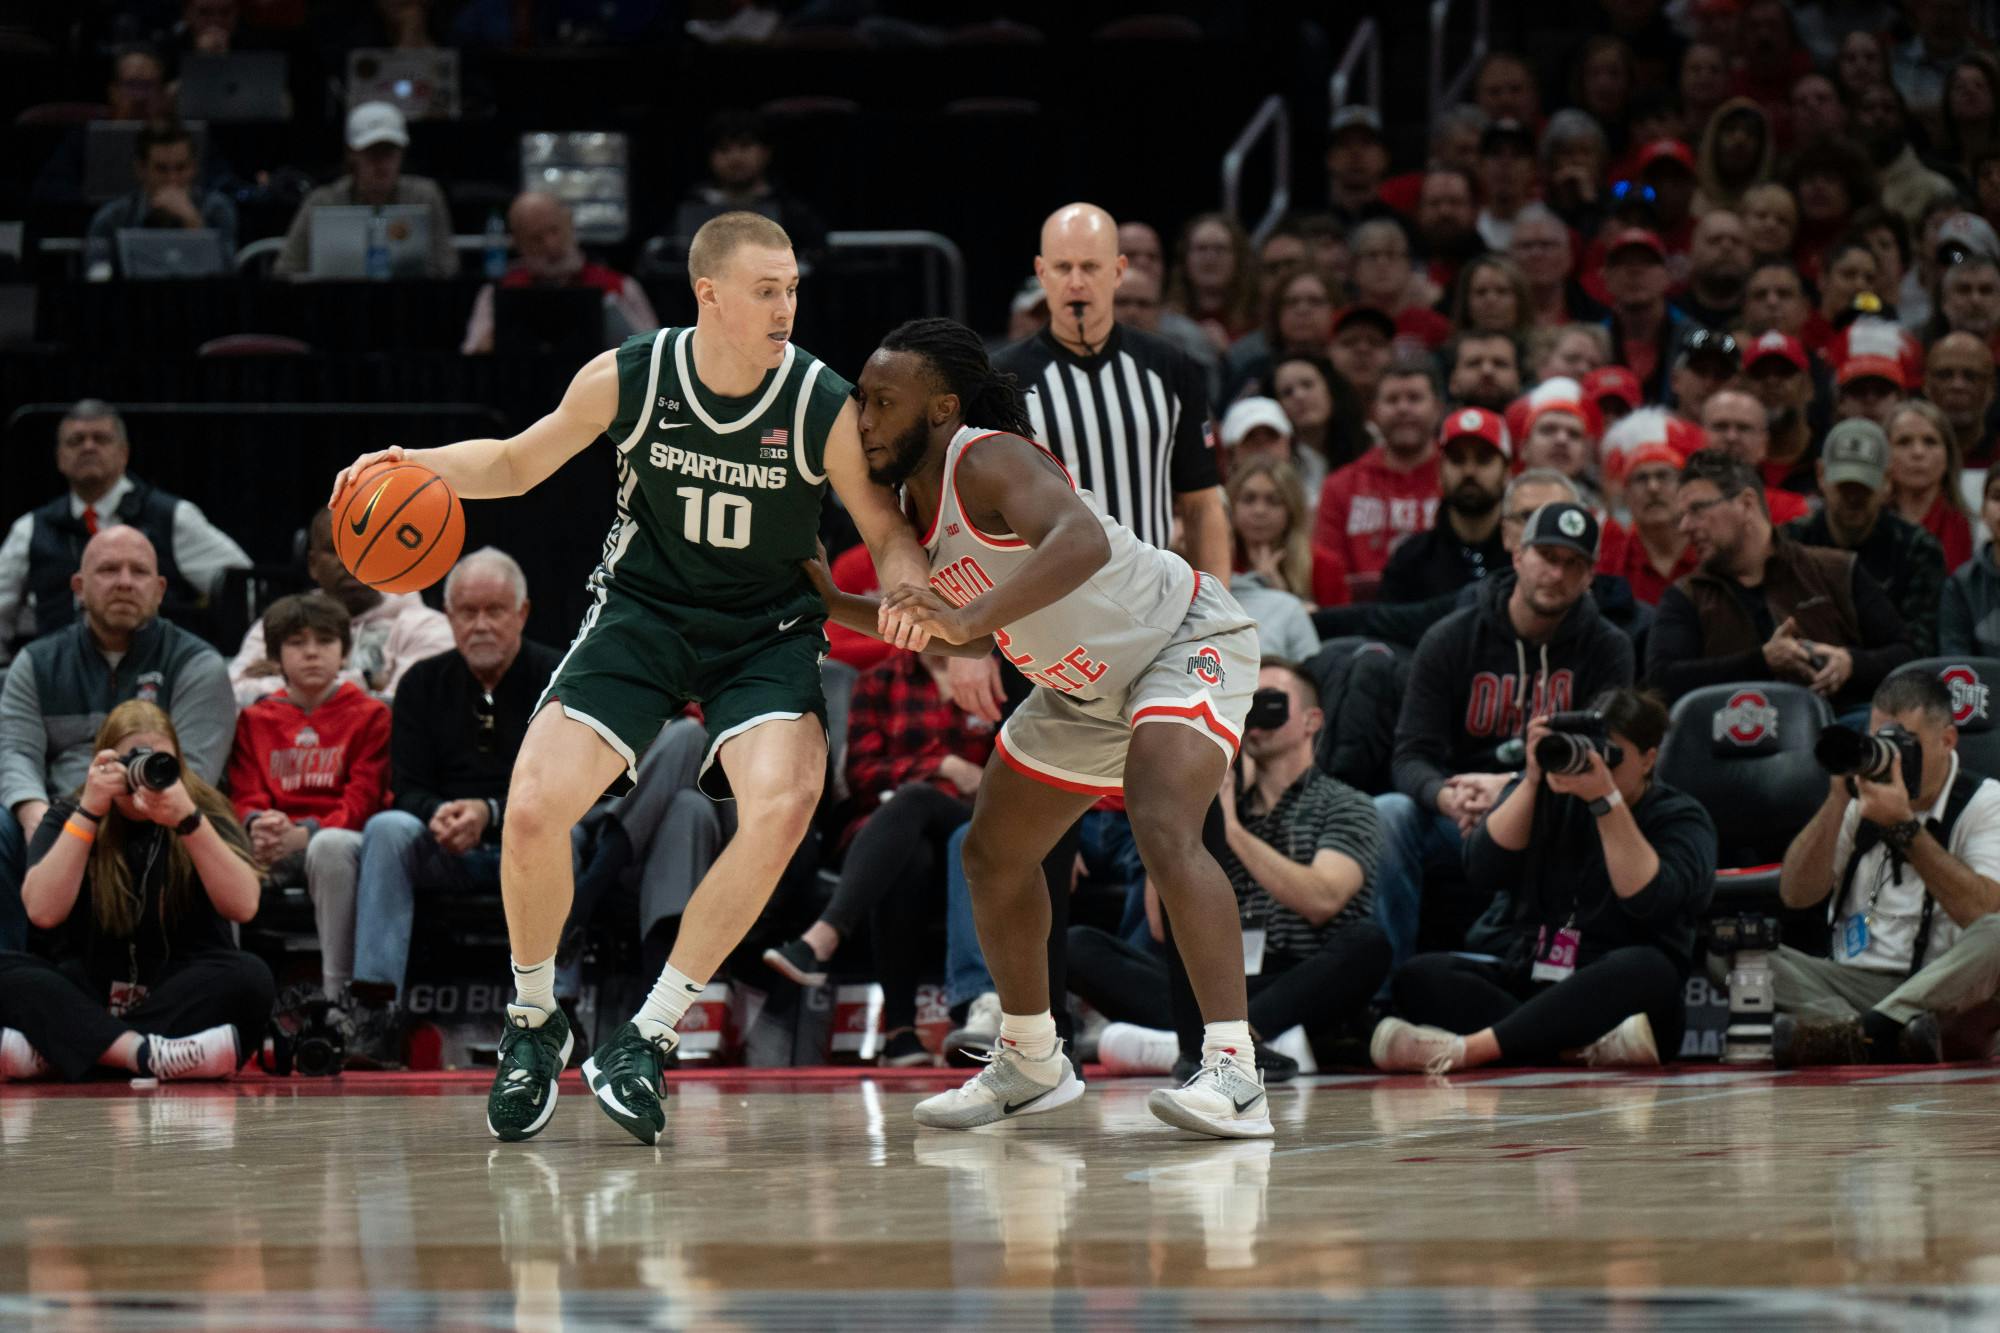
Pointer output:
x,y
13,867
1110,852
399,857
1410,838
965,974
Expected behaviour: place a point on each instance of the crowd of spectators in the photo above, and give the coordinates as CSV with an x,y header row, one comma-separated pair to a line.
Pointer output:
x,y
1673,372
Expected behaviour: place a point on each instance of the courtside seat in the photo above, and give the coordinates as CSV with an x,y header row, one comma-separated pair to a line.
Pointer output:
x,y
1972,681
1745,751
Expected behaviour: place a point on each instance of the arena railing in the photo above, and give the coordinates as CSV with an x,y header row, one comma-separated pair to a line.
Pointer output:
x,y
1364,54
1446,93
1273,120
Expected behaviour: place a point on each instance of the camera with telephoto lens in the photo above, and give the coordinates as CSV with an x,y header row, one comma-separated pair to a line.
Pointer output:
x,y
1567,747
1845,752
1270,708
307,1033
153,769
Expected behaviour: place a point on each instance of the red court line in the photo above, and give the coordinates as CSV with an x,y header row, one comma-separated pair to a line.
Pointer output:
x,y
831,1078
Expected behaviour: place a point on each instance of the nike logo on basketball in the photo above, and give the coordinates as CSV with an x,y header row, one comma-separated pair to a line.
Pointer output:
x,y
1011,1107
784,625
360,525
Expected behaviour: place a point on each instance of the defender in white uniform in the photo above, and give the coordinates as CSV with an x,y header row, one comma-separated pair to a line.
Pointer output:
x,y
1117,634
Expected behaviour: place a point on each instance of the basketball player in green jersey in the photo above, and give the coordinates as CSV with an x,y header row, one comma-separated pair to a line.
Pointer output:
x,y
726,436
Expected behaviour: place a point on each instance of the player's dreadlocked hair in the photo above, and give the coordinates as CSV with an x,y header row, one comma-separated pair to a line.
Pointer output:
x,y
987,397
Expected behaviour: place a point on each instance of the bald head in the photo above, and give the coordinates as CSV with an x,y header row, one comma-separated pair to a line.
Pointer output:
x,y
1079,268
545,235
119,582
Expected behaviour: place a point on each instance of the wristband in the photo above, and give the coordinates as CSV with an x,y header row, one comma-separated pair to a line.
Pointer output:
x,y
79,832
81,813
1899,836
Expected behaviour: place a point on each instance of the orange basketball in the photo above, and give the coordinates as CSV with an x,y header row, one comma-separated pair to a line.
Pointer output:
x,y
398,527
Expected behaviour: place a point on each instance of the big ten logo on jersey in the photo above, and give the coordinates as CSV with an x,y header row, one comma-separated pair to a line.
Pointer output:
x,y
961,581
1500,705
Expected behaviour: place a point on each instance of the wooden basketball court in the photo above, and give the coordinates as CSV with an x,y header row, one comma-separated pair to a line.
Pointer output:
x,y
1704,1198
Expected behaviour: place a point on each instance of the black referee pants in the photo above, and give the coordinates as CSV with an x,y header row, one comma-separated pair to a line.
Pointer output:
x,y
61,1010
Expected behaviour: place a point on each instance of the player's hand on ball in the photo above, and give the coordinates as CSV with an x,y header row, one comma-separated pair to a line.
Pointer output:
x,y
393,454
927,611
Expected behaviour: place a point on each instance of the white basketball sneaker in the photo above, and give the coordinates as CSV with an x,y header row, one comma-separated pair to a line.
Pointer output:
x,y
1629,1045
1225,1100
18,1060
210,1054
1006,1088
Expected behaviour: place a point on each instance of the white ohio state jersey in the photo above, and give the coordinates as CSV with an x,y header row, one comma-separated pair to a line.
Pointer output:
x,y
1090,644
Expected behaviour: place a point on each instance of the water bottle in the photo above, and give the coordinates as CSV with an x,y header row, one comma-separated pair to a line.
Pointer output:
x,y
496,246
378,247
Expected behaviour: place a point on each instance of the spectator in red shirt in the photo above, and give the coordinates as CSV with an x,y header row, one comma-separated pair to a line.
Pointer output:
x,y
1384,278
1651,552
1924,478
914,763
544,235
310,765
1392,490
1735,423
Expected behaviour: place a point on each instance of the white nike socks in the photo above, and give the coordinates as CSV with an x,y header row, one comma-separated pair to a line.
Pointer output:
x,y
535,988
1232,1039
1033,1035
668,1002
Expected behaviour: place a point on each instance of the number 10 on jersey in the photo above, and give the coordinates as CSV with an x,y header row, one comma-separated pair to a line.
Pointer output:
x,y
728,524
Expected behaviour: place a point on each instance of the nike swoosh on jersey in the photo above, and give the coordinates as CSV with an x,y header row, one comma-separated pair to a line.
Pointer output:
x,y
360,525
784,625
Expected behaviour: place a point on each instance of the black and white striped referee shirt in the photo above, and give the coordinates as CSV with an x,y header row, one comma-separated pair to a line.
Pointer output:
x,y
1131,422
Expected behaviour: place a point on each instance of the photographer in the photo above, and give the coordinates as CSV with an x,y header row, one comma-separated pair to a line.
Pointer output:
x,y
135,879
1910,872
1601,882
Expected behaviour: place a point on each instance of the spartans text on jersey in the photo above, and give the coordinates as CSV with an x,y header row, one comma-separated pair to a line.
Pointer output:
x,y
729,472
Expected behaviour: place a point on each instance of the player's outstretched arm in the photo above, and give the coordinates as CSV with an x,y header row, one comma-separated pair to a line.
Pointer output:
x,y
862,614
492,469
1015,487
892,544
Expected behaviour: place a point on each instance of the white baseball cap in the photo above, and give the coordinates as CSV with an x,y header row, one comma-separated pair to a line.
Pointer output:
x,y
1246,414
376,122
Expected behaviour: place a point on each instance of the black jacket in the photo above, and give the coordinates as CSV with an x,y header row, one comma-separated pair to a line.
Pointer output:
x,y
1475,683
1438,562
436,751
1561,875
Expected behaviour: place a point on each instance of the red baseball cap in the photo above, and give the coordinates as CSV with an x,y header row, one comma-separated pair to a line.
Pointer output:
x,y
1614,382
1774,343
1635,238
1663,150
1872,367
1476,423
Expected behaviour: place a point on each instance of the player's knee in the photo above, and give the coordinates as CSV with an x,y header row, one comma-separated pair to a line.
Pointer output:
x,y
986,859
538,810
781,809
1166,831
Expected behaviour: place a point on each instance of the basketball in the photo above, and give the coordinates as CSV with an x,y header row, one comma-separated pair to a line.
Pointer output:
x,y
398,527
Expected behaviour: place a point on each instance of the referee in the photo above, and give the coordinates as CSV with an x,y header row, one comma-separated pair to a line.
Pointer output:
x,y
1128,413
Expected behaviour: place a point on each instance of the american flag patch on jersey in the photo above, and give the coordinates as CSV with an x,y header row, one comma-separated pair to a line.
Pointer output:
x,y
773,444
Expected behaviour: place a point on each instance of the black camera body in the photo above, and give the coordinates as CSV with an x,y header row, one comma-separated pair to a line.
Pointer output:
x,y
155,770
1845,752
1571,739
1270,708
307,1034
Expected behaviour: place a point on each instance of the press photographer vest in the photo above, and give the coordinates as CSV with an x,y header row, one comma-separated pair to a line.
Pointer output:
x,y
55,551
1867,835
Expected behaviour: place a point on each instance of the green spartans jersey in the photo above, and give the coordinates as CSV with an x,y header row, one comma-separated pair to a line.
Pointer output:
x,y
718,498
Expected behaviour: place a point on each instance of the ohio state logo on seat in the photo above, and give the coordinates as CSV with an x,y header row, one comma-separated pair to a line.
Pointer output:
x,y
1206,665
1746,719
1968,694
